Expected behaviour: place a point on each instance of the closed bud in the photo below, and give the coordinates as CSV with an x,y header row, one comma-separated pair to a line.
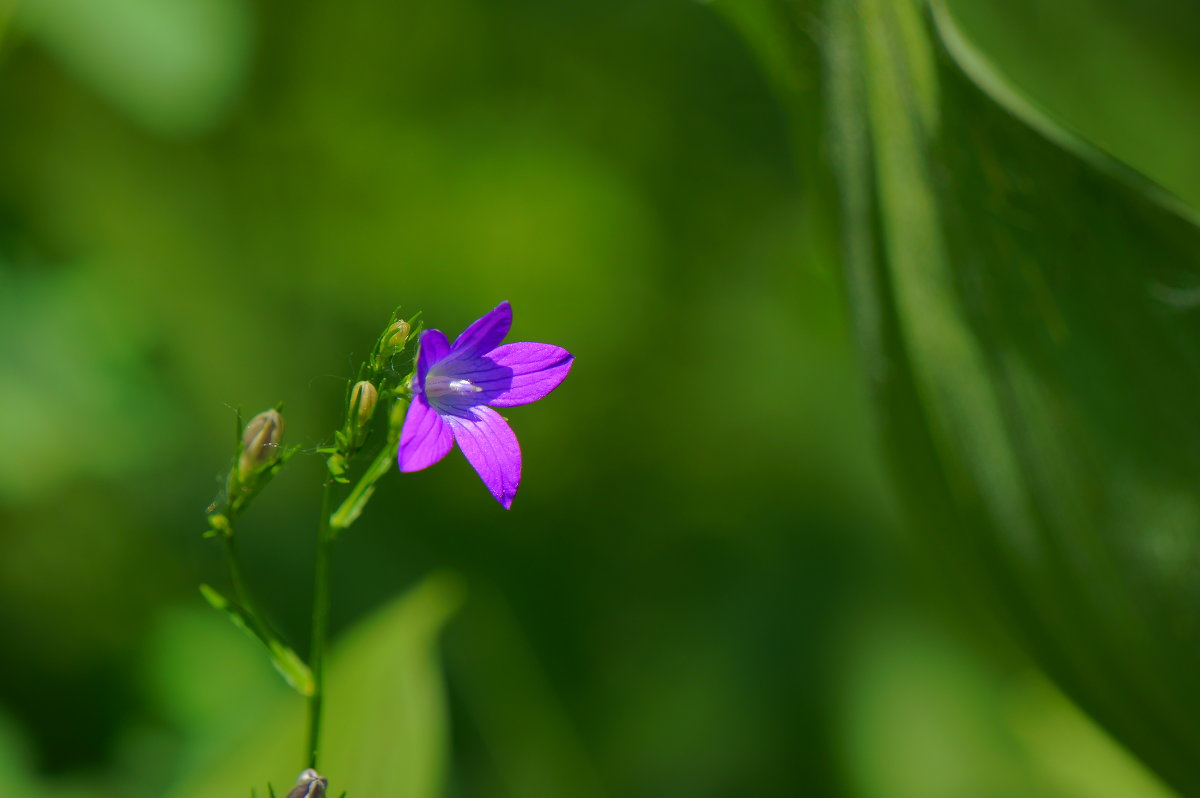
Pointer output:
x,y
397,335
390,344
260,442
311,784
362,402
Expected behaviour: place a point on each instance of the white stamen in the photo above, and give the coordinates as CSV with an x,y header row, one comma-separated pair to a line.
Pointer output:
x,y
437,386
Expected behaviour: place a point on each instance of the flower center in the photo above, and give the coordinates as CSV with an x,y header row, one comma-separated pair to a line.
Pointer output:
x,y
437,387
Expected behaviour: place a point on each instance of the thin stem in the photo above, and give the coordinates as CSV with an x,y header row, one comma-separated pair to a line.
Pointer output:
x,y
320,624
235,572
331,524
239,584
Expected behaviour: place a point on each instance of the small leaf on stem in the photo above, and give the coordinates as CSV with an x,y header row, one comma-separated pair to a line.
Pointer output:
x,y
289,664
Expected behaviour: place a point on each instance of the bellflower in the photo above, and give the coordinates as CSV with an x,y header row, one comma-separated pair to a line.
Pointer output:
x,y
455,388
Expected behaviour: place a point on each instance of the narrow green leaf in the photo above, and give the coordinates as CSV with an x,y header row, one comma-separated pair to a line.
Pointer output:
x,y
354,504
350,511
291,667
289,664
227,607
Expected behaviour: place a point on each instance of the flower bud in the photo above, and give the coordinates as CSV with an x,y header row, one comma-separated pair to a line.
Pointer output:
x,y
260,442
390,344
397,335
362,402
311,784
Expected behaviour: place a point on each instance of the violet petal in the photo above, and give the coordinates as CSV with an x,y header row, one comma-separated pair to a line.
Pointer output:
x,y
535,369
509,375
434,347
491,448
425,437
485,333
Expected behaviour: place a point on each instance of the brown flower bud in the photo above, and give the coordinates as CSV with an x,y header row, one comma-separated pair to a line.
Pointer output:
x,y
260,442
311,784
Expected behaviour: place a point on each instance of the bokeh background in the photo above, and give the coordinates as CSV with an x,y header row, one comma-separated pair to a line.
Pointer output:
x,y
707,585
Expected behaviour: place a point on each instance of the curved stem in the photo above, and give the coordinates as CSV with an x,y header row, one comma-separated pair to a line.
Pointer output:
x,y
320,624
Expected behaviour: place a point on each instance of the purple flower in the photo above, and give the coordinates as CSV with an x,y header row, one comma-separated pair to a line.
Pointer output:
x,y
456,387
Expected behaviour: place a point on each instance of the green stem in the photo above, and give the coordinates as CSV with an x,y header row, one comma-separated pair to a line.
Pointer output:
x,y
249,608
352,507
235,571
320,624
332,523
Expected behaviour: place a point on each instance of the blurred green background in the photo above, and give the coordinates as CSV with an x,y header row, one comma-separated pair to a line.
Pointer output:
x,y
706,586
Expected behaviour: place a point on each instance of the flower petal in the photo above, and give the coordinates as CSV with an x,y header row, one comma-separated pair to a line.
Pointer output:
x,y
509,375
425,437
485,333
491,448
534,371
434,347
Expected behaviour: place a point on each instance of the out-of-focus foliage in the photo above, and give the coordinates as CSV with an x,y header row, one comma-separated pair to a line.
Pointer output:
x,y
1022,302
173,66
926,719
211,205
1137,104
385,731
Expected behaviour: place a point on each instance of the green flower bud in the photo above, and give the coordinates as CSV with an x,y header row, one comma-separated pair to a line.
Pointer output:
x,y
362,402
390,344
397,335
260,442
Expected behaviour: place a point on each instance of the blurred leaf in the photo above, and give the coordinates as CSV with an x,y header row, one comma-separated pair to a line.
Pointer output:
x,y
1069,751
535,748
1121,77
171,64
1027,324
385,726
16,769
1015,323
79,398
925,719
198,699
